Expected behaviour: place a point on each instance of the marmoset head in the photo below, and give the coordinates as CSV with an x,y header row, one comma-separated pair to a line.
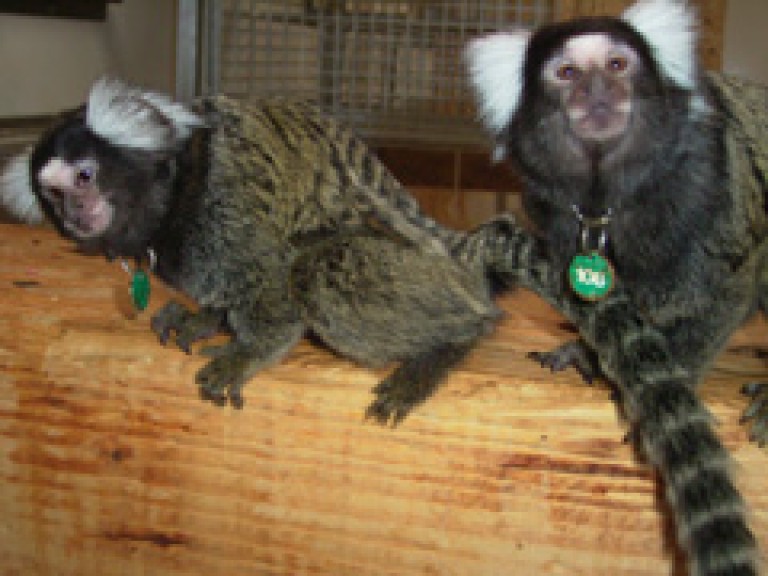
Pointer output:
x,y
102,172
586,84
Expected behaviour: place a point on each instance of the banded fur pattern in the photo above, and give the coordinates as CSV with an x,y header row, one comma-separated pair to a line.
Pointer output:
x,y
676,434
318,175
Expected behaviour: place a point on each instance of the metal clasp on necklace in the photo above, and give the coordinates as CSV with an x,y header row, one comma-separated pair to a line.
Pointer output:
x,y
591,225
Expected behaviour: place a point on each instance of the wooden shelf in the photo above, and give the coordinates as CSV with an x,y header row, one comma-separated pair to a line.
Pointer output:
x,y
110,464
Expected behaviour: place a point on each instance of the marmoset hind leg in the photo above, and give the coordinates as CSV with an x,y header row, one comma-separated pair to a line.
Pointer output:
x,y
379,301
268,338
255,308
413,381
174,320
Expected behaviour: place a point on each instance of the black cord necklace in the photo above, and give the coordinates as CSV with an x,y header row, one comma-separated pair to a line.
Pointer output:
x,y
590,274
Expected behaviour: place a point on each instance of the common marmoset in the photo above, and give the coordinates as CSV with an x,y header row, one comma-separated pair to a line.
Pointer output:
x,y
644,172
235,203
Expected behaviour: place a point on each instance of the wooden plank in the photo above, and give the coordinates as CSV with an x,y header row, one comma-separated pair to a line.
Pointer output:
x,y
456,169
111,465
712,26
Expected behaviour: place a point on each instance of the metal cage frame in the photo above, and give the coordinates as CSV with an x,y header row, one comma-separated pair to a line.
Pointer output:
x,y
390,68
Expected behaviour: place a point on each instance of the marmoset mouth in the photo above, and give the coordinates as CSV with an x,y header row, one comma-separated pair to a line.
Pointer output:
x,y
90,218
600,125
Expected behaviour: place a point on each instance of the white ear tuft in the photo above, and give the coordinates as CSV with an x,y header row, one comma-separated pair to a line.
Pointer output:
x,y
128,117
16,194
670,29
495,65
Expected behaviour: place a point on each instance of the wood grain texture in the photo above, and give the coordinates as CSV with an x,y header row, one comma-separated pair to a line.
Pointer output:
x,y
111,465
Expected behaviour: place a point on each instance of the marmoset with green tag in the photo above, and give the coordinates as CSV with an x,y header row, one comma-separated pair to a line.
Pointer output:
x,y
233,204
640,168
611,120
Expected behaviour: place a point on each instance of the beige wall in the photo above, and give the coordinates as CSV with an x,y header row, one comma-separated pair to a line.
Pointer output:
x,y
141,41
48,64
746,39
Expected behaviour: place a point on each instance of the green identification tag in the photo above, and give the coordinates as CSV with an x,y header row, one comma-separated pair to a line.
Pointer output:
x,y
591,276
140,289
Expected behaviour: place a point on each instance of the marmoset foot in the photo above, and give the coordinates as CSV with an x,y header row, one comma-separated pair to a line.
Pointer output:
x,y
415,380
189,327
223,378
234,363
575,353
395,398
757,411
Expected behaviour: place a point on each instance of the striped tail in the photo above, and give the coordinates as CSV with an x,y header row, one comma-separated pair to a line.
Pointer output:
x,y
676,434
674,429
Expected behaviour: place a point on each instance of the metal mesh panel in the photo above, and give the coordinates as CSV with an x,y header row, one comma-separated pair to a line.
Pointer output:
x,y
391,68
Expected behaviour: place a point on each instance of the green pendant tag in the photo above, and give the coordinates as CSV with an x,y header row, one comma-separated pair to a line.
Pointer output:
x,y
591,276
140,289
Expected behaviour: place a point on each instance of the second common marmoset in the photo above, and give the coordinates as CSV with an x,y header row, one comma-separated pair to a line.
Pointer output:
x,y
641,171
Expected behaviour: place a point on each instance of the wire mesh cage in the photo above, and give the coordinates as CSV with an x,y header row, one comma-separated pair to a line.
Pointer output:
x,y
391,68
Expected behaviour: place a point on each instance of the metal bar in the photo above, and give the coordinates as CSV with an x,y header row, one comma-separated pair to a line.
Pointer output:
x,y
391,68
269,81
187,49
338,57
213,47
252,79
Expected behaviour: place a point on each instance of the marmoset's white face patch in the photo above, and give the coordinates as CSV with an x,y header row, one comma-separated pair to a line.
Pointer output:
x,y
495,65
669,28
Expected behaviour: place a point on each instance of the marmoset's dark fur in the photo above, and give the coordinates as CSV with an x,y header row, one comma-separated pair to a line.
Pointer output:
x,y
275,219
629,151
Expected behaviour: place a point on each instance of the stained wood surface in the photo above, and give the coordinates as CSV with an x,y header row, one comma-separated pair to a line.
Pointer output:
x,y
111,465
